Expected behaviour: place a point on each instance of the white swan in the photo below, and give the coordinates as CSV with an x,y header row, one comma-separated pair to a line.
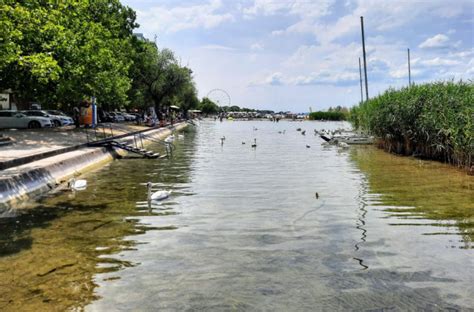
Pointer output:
x,y
77,185
169,139
156,196
343,145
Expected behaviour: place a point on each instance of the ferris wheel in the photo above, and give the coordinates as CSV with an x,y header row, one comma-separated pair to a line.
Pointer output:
x,y
219,96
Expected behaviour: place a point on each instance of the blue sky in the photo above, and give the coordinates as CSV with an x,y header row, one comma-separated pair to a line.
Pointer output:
x,y
297,54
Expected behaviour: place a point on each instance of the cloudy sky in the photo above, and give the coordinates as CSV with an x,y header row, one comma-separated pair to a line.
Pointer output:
x,y
297,54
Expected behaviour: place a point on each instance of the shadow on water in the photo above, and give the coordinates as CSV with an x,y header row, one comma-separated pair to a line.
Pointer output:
x,y
414,192
52,249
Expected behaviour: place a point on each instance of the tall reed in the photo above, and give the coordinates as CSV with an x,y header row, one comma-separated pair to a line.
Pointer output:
x,y
434,120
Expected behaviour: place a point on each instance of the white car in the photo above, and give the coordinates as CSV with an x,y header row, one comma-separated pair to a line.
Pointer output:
x,y
56,120
14,119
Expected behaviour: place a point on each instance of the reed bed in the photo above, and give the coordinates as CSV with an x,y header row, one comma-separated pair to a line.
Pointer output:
x,y
334,116
433,121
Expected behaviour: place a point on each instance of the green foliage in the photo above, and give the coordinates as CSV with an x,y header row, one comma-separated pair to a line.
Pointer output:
x,y
434,120
208,107
331,115
60,52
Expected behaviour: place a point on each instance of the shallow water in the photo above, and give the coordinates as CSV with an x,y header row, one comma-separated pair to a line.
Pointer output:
x,y
243,230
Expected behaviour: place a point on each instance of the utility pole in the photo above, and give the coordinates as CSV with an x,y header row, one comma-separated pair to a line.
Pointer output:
x,y
360,75
409,69
365,60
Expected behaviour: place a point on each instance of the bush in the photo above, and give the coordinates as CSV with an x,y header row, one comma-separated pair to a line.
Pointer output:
x,y
434,120
327,116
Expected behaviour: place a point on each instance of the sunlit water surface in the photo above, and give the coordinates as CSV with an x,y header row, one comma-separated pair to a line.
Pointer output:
x,y
244,230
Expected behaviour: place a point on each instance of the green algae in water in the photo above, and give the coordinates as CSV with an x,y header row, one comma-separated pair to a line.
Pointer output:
x,y
411,189
52,249
227,250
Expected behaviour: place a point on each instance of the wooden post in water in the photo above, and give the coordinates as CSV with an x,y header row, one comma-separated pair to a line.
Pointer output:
x,y
409,69
365,59
361,88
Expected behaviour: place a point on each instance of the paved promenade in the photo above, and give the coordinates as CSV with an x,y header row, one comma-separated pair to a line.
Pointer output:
x,y
29,142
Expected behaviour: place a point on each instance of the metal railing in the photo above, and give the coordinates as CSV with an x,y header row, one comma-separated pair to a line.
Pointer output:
x,y
103,134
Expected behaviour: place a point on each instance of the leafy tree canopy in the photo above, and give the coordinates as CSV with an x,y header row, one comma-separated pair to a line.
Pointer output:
x,y
60,52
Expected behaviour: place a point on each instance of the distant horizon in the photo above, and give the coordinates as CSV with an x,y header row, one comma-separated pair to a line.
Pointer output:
x,y
291,55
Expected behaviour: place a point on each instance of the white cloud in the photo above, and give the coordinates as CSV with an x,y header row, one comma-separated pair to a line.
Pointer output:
x,y
403,73
326,77
274,79
378,15
323,55
217,47
437,41
278,32
256,47
440,62
322,77
302,8
170,20
398,73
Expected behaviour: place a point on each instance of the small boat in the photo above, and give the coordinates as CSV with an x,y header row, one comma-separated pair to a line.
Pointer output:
x,y
351,139
358,140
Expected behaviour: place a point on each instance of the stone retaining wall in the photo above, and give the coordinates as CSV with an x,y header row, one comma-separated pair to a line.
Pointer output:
x,y
24,182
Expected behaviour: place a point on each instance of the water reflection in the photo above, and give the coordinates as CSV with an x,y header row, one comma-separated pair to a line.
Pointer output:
x,y
360,222
243,230
253,236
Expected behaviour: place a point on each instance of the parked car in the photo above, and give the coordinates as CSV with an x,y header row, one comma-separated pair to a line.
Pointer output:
x,y
116,117
129,117
15,119
55,120
106,117
65,119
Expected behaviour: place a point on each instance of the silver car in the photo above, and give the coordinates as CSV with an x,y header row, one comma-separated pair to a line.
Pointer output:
x,y
63,118
57,121
14,119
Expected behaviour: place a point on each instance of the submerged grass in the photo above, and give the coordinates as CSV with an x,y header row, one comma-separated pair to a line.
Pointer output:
x,y
434,120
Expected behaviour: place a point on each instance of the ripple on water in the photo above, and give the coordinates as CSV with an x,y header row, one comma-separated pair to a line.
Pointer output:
x,y
243,230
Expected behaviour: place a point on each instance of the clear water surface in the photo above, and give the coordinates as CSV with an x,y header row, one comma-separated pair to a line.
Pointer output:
x,y
244,230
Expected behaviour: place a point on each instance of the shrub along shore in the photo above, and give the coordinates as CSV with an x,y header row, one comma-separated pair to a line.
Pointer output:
x,y
433,121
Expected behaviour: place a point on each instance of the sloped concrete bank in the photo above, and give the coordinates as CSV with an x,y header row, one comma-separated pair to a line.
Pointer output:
x,y
24,182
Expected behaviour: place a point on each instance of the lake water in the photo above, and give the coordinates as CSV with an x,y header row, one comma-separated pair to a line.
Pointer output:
x,y
244,230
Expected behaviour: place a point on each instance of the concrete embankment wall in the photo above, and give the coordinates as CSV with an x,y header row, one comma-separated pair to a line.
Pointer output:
x,y
24,182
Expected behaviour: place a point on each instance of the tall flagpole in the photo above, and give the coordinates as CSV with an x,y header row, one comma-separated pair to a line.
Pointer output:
x,y
409,69
365,60
361,88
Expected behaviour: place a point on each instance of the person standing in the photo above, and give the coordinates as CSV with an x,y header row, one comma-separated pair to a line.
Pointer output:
x,y
76,113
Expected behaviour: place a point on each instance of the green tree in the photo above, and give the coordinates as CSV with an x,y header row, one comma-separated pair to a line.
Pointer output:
x,y
62,51
208,107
